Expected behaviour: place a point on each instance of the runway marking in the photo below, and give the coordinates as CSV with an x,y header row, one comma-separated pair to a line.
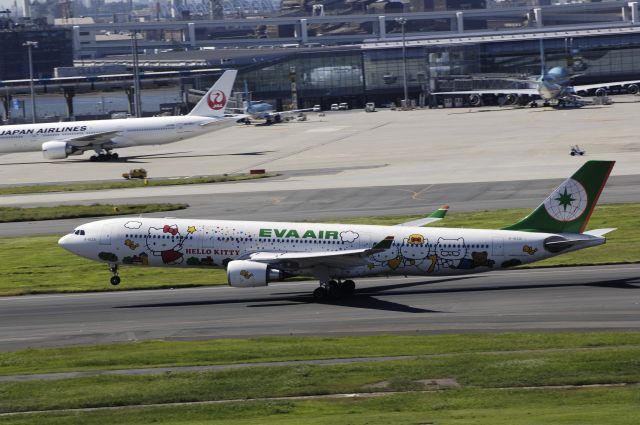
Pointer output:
x,y
416,195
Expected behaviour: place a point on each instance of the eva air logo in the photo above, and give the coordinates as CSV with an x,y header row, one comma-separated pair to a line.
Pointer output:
x,y
567,202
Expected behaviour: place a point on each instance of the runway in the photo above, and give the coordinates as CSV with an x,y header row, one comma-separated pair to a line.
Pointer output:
x,y
554,299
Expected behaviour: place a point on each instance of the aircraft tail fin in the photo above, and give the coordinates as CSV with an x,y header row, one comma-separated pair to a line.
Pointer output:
x,y
214,102
568,208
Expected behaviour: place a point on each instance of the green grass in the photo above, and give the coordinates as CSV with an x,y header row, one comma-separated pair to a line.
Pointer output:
x,y
14,214
57,269
596,406
604,365
225,351
127,184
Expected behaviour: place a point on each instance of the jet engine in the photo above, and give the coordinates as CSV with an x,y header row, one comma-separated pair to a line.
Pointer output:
x,y
56,150
249,274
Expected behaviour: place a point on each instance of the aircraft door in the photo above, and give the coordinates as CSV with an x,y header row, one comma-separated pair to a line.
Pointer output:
x,y
497,246
105,234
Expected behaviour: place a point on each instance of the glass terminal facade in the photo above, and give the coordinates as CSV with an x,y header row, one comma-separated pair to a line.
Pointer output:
x,y
358,76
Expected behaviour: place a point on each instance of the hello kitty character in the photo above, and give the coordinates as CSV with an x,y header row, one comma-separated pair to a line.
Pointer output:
x,y
389,257
415,250
450,252
166,242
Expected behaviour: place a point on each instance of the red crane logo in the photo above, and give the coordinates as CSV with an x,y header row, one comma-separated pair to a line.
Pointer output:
x,y
217,100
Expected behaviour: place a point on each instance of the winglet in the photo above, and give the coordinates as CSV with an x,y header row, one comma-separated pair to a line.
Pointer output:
x,y
434,216
383,244
440,212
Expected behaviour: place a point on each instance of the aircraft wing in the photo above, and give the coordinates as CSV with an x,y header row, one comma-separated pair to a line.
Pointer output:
x,y
287,113
530,92
92,140
585,87
292,261
434,216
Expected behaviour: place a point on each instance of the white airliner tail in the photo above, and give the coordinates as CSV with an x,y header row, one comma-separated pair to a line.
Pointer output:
x,y
214,103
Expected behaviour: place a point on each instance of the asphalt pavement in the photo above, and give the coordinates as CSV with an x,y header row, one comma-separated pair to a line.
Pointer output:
x,y
550,299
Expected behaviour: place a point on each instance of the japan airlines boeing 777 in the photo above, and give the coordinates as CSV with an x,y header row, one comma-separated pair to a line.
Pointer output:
x,y
256,253
59,140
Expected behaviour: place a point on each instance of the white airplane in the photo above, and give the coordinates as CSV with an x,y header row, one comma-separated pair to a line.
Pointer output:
x,y
256,253
59,140
553,87
261,110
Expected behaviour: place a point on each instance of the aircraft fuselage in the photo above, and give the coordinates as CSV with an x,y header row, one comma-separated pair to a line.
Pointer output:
x,y
214,243
131,132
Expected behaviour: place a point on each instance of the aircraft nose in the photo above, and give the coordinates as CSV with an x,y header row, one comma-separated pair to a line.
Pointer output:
x,y
68,242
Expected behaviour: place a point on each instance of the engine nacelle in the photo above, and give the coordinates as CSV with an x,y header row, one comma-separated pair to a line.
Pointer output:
x,y
475,100
249,274
56,150
633,89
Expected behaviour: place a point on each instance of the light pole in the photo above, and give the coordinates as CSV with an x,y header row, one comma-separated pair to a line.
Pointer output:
x,y
136,75
402,22
30,45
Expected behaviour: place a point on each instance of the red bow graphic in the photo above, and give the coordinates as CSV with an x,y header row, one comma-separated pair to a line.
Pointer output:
x,y
170,229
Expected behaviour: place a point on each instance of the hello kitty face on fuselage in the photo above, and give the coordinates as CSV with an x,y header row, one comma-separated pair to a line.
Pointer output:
x,y
451,249
415,251
158,239
386,255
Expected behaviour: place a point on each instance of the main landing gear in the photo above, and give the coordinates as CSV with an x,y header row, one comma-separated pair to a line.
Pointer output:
x,y
100,157
115,279
334,289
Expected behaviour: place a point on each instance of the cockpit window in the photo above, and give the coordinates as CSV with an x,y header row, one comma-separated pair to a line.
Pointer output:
x,y
79,232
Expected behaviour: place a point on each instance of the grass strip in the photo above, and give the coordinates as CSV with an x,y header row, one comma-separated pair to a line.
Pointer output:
x,y
127,184
470,370
595,406
15,214
57,270
146,354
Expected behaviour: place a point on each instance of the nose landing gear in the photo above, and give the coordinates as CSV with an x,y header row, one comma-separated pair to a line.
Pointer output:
x,y
115,279
334,289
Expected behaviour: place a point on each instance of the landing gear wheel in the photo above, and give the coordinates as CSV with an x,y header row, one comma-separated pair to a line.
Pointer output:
x,y
114,156
115,279
320,294
348,286
334,289
93,158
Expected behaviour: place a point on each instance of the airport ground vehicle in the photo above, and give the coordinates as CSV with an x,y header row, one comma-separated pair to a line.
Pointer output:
x,y
135,173
370,107
317,108
334,107
343,106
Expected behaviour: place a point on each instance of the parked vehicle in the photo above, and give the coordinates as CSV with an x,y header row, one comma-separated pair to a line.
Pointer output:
x,y
370,107
334,107
317,108
343,106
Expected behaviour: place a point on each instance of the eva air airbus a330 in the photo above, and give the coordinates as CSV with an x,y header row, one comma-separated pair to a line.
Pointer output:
x,y
256,253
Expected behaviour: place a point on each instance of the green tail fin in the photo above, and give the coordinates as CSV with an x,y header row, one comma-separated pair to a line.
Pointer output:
x,y
569,207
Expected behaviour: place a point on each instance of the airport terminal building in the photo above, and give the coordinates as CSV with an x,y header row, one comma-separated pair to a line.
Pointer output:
x,y
469,49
